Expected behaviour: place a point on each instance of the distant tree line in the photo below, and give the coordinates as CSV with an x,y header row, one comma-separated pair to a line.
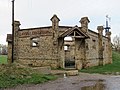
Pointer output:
x,y
3,49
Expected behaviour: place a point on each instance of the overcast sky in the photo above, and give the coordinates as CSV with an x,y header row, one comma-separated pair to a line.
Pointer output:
x,y
37,13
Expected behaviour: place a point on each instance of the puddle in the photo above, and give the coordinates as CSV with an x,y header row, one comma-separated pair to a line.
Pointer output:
x,y
90,84
97,86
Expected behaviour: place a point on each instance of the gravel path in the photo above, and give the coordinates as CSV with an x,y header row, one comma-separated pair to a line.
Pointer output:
x,y
83,81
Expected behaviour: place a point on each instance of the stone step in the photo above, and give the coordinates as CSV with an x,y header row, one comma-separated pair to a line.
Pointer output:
x,y
72,72
70,68
66,72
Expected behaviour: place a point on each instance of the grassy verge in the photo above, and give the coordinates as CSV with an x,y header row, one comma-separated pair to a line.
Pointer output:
x,y
12,76
109,68
3,59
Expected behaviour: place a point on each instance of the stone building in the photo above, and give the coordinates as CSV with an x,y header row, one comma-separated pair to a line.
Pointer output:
x,y
49,46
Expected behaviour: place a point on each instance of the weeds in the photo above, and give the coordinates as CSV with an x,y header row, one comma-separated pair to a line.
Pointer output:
x,y
12,75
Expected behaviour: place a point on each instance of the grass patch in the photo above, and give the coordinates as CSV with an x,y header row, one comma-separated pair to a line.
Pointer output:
x,y
3,59
12,76
109,68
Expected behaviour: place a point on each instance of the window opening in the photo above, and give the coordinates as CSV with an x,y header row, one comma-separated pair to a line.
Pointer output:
x,y
34,42
66,48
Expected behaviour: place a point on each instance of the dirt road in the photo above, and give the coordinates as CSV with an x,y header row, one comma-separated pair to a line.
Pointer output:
x,y
81,82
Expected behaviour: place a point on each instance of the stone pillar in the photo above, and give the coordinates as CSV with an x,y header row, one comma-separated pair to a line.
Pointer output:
x,y
108,35
55,26
61,54
84,24
100,47
55,30
16,29
9,50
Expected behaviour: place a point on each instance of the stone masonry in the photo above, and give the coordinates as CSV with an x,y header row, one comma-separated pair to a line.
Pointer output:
x,y
47,46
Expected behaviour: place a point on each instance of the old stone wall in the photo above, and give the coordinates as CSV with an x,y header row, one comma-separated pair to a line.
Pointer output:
x,y
105,51
80,53
44,46
42,54
92,50
86,52
106,57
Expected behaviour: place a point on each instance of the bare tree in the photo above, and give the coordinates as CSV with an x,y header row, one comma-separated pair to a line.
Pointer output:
x,y
116,43
3,49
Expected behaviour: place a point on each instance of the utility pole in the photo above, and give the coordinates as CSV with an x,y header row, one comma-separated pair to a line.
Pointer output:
x,y
13,31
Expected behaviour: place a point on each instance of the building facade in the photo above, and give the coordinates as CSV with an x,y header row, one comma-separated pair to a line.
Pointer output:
x,y
60,46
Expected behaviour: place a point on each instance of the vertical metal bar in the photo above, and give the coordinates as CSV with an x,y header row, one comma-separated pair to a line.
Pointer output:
x,y
12,31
